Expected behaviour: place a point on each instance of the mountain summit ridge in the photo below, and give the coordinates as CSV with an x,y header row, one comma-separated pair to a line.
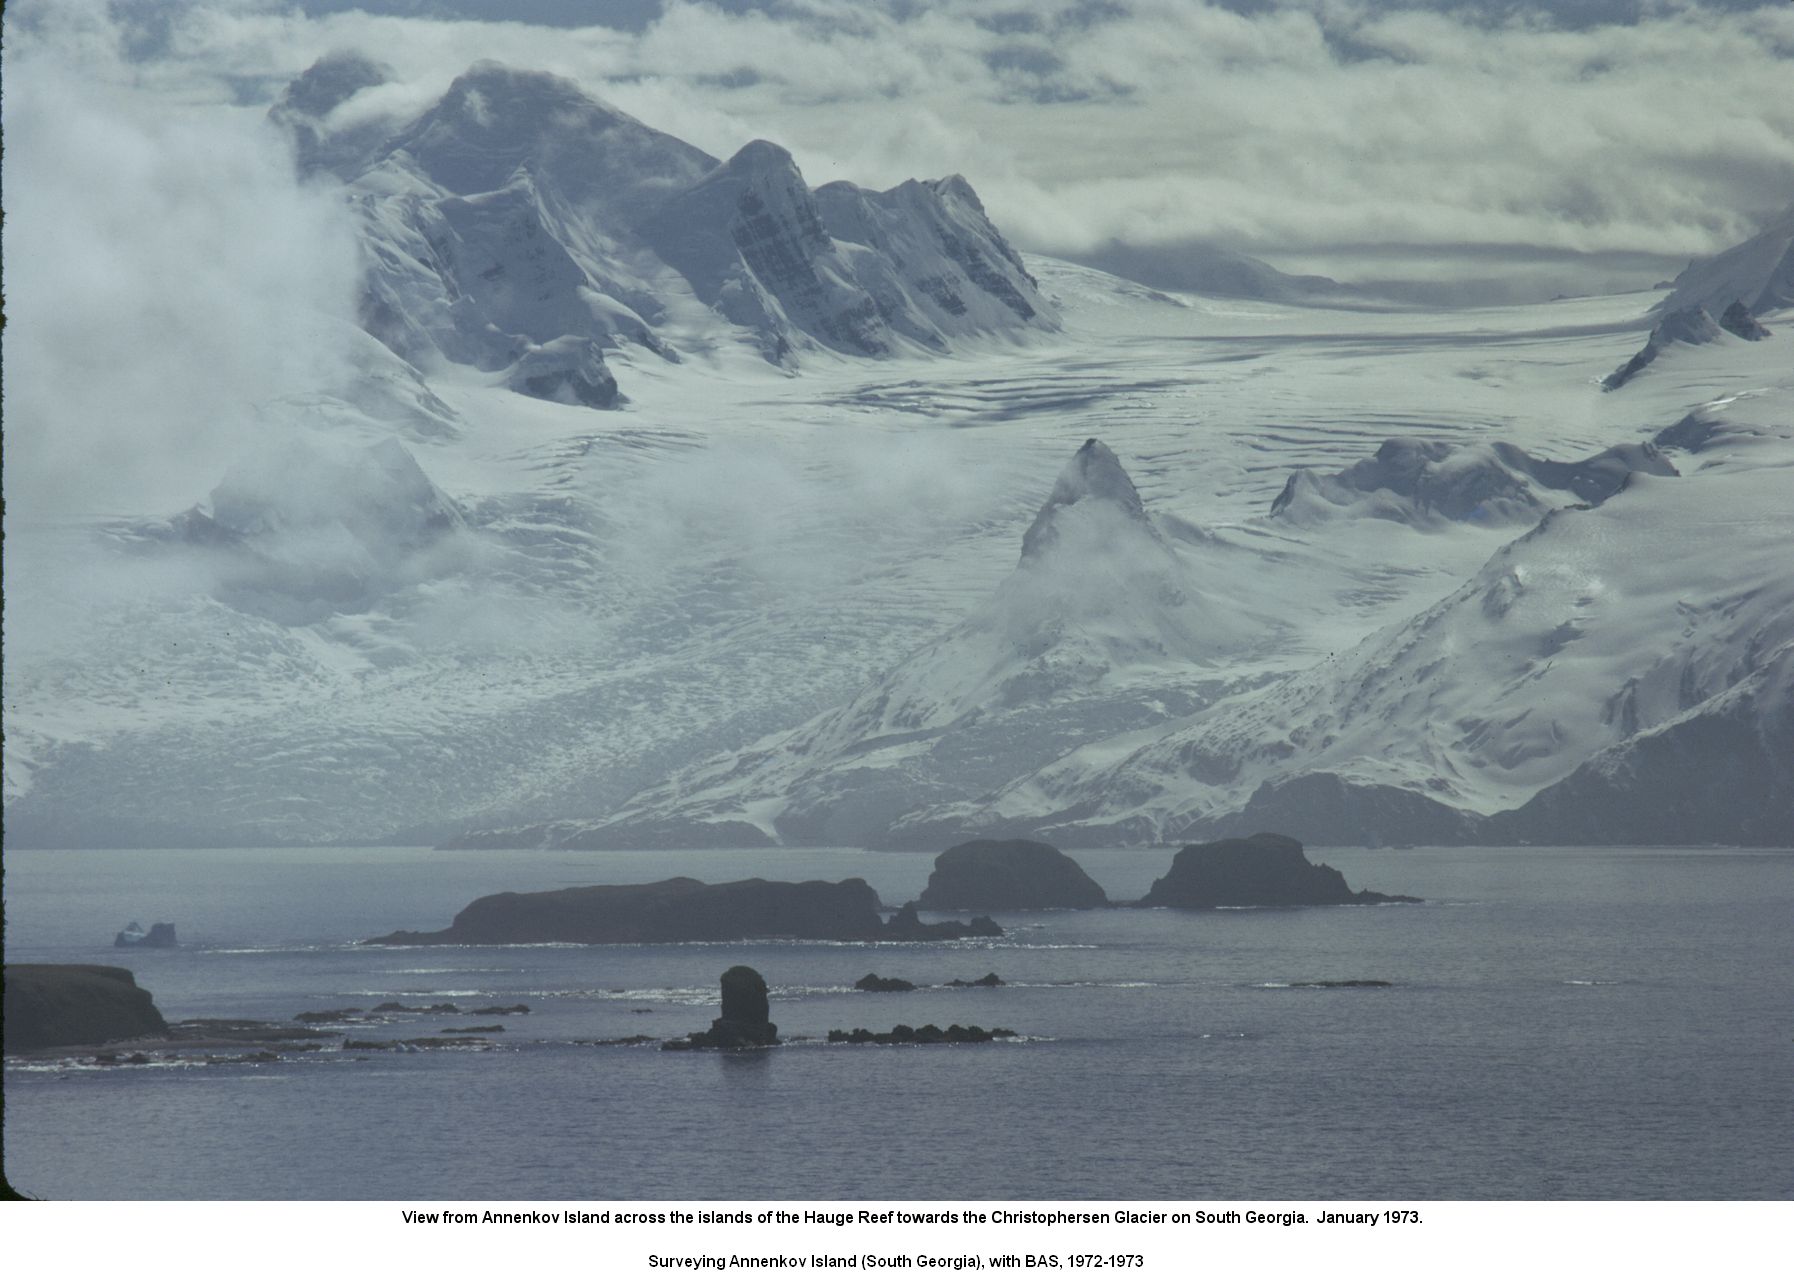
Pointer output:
x,y
517,210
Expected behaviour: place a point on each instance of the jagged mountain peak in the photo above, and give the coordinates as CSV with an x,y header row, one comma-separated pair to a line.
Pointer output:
x,y
518,211
1094,473
489,93
1757,273
494,119
330,81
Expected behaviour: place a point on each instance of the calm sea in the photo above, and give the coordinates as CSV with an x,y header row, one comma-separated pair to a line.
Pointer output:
x,y
1562,1023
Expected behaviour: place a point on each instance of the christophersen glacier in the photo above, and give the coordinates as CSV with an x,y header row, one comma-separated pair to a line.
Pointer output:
x,y
664,499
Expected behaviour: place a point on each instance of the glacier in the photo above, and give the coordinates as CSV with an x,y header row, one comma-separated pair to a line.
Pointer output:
x,y
667,500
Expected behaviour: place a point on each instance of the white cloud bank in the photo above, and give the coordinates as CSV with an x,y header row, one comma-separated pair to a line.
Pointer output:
x,y
1354,137
164,274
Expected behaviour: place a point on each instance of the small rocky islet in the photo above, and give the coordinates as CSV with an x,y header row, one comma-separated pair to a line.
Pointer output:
x,y
51,1007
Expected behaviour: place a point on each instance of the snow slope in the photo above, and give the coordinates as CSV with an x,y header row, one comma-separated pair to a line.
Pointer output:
x,y
974,583
517,217
1759,273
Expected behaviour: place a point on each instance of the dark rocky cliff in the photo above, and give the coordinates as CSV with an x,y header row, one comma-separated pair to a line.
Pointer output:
x,y
76,1005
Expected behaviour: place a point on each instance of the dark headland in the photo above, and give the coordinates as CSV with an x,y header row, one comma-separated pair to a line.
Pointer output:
x,y
1260,870
683,910
76,1005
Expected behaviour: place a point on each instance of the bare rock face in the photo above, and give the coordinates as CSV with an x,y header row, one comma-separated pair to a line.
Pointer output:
x,y
992,875
568,370
745,1022
1742,323
1691,325
76,1005
1261,870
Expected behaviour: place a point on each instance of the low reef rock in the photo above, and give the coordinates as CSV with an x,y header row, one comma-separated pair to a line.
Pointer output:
x,y
907,925
922,1034
876,984
76,1005
1012,875
1261,870
746,1020
682,910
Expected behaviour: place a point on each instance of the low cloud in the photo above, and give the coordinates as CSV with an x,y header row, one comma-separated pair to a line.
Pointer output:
x,y
165,273
1297,130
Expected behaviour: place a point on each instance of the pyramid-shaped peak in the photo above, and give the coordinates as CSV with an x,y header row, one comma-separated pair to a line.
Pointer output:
x,y
1092,474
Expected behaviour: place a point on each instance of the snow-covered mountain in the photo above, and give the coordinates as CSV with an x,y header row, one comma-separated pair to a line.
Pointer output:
x,y
1757,274
518,220
888,535
1100,628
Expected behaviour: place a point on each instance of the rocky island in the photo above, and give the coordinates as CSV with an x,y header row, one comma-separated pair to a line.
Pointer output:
x,y
1012,875
746,1020
1260,870
76,1005
682,910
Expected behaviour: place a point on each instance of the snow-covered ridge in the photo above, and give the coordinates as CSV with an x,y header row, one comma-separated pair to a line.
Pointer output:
x,y
518,213
1757,274
1033,588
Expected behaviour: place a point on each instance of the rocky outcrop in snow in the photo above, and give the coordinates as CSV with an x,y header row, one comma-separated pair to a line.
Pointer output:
x,y
569,369
1742,323
1691,325
1427,483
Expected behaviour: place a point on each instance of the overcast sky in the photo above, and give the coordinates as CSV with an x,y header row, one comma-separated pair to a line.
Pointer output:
x,y
1577,145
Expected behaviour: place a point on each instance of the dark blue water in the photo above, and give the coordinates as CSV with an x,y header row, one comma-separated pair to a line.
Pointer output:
x,y
1562,1024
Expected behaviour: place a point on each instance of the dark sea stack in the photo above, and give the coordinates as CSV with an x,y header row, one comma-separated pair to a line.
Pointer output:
x,y
676,910
906,925
76,1005
745,1022
1260,870
1009,875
